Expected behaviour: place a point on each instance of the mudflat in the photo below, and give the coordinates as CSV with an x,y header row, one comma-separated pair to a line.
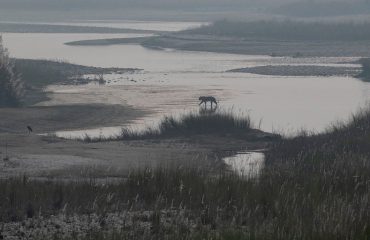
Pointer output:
x,y
48,156
48,119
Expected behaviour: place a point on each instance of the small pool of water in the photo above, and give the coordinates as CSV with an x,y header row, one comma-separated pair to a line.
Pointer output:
x,y
246,164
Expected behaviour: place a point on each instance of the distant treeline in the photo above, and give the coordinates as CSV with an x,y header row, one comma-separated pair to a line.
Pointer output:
x,y
46,28
288,30
323,8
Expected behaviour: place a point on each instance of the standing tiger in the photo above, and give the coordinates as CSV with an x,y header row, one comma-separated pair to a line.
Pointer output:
x,y
210,99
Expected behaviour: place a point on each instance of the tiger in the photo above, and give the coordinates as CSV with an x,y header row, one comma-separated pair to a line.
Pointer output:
x,y
205,99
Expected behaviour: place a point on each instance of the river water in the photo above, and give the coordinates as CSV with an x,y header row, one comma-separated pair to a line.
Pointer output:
x,y
171,81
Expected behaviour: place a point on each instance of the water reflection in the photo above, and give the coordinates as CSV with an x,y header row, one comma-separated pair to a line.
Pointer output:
x,y
246,164
174,80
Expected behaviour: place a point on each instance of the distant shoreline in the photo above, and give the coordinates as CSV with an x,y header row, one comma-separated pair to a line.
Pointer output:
x,y
206,43
50,28
306,70
108,41
38,74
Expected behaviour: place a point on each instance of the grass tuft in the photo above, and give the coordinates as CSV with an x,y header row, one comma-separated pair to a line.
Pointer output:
x,y
220,122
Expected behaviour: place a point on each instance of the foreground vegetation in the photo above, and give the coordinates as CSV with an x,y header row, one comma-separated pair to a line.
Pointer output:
x,y
314,186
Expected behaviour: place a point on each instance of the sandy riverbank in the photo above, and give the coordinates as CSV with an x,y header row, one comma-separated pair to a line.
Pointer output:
x,y
48,119
48,156
44,156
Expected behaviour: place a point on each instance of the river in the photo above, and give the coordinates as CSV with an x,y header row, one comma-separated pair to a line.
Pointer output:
x,y
172,81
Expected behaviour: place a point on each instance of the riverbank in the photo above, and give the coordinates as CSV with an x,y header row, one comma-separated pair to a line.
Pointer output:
x,y
206,43
247,46
306,70
48,119
201,140
38,74
312,185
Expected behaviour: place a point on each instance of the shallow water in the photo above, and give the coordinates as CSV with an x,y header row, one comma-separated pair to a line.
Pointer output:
x,y
282,104
172,81
246,164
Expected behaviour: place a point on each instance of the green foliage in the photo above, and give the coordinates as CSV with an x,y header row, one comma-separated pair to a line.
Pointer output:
x,y
11,86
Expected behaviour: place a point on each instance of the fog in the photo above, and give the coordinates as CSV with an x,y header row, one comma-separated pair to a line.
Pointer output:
x,y
176,9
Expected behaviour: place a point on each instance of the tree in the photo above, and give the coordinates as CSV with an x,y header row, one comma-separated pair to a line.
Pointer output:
x,y
11,85
365,74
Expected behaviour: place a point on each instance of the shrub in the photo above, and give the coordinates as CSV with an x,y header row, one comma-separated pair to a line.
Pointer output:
x,y
365,74
11,86
219,122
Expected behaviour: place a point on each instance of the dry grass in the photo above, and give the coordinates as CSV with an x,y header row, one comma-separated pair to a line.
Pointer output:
x,y
313,187
219,122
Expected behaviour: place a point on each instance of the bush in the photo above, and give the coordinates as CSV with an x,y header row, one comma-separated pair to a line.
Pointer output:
x,y
11,86
219,122
365,74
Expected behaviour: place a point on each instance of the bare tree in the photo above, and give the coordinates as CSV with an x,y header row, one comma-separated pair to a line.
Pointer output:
x,y
11,85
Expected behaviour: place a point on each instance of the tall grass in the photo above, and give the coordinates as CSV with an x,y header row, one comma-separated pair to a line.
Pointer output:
x,y
313,187
328,203
219,122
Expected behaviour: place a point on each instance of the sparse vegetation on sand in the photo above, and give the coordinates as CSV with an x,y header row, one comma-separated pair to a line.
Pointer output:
x,y
213,123
196,123
37,74
313,187
40,73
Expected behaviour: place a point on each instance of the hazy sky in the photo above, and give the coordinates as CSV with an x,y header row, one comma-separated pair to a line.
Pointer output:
x,y
23,9
68,4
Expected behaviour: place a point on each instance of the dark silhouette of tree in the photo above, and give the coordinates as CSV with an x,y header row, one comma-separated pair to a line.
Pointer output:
x,y
11,85
365,62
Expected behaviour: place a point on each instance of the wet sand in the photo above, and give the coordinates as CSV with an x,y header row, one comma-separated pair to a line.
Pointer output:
x,y
48,156
39,155
48,119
